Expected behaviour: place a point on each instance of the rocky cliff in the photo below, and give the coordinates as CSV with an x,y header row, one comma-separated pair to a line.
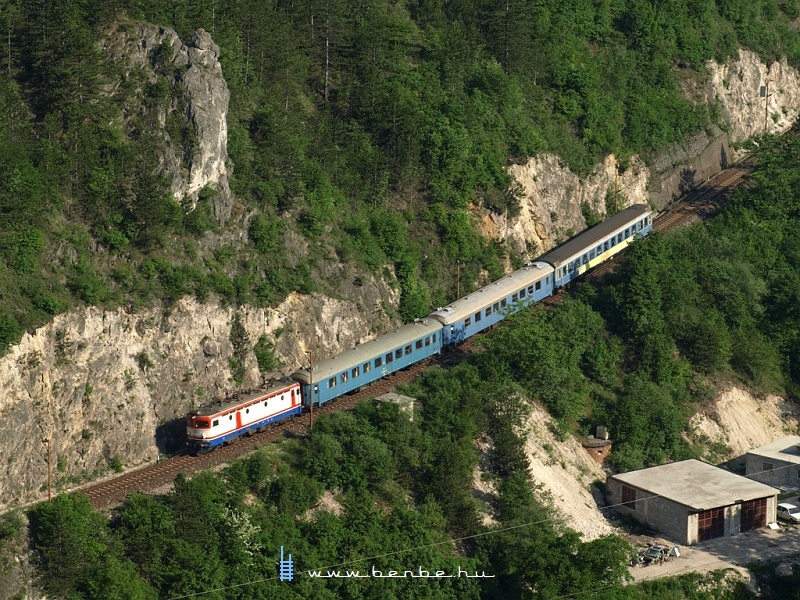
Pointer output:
x,y
553,196
104,388
199,99
555,201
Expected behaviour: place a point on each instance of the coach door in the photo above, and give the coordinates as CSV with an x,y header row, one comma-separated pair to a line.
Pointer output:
x,y
711,524
754,515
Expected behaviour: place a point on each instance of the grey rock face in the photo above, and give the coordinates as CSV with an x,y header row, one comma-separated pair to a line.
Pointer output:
x,y
552,195
110,386
195,70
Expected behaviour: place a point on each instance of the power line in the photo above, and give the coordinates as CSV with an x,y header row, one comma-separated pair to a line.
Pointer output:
x,y
454,540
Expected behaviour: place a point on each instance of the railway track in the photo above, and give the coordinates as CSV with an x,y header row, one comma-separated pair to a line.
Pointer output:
x,y
113,491
699,203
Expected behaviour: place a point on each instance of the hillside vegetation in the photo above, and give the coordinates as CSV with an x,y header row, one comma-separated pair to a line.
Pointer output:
x,y
367,129
635,352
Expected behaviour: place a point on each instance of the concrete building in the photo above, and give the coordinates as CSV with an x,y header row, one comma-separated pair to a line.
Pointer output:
x,y
777,463
691,501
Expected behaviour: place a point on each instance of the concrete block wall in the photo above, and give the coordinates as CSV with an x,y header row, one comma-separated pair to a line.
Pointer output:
x,y
782,473
663,515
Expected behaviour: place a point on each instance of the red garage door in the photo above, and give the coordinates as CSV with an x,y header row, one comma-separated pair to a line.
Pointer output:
x,y
754,514
711,524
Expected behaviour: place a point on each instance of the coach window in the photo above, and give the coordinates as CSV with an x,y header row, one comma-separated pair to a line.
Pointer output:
x,y
503,303
619,237
467,322
522,293
247,411
215,423
488,311
367,367
495,307
591,254
530,288
332,382
389,358
419,344
477,316
344,377
538,285
514,298
408,350
378,362
265,402
398,353
355,373
605,246
433,337
230,417
427,342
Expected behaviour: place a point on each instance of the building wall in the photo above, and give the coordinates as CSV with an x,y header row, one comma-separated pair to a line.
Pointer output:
x,y
783,473
662,514
672,519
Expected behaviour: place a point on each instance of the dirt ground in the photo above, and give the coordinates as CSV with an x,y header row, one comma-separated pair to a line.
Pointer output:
x,y
734,552
741,421
563,473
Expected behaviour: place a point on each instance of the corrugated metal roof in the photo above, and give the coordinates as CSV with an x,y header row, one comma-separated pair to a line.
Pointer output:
x,y
494,292
584,242
381,345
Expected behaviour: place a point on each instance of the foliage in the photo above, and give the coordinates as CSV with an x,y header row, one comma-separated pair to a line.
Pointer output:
x,y
240,340
265,354
368,132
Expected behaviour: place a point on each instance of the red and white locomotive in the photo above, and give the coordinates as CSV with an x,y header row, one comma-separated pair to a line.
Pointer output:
x,y
223,420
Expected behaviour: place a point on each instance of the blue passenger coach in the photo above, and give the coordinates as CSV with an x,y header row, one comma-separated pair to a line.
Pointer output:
x,y
371,360
598,244
487,306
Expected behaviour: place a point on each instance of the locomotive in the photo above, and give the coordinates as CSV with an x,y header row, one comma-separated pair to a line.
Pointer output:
x,y
222,421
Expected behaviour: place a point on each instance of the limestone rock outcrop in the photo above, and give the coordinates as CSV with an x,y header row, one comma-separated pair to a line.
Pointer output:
x,y
554,200
107,387
553,195
737,87
200,98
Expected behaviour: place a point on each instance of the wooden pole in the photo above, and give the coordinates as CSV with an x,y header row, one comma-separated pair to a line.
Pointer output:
x,y
311,406
46,442
458,280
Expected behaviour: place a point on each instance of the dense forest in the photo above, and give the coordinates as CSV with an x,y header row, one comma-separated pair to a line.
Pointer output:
x,y
368,129
375,488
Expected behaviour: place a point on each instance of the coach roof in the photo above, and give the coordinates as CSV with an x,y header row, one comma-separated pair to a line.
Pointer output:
x,y
494,292
591,237
365,352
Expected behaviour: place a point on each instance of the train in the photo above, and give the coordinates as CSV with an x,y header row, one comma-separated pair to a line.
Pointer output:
x,y
222,421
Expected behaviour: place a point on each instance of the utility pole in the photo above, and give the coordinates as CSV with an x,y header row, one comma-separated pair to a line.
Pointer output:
x,y
764,93
458,279
46,442
311,404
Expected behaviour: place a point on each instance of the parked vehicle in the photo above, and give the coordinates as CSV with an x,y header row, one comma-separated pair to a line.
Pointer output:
x,y
655,554
788,512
